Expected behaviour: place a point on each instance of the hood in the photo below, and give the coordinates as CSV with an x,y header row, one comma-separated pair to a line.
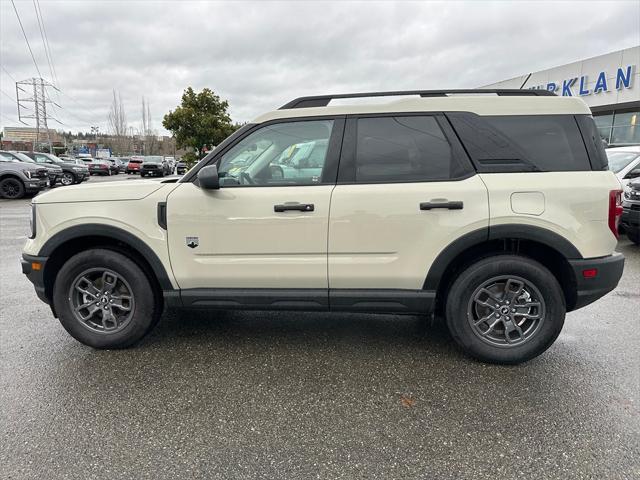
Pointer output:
x,y
102,192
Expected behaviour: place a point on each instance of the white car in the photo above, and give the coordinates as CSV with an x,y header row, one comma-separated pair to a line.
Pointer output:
x,y
624,162
496,211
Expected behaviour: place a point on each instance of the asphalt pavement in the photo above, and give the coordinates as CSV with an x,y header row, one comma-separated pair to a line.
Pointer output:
x,y
312,395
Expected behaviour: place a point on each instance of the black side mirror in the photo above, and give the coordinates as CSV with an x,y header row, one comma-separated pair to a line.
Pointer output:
x,y
208,178
635,173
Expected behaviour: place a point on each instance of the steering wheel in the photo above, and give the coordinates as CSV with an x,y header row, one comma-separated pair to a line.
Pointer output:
x,y
244,176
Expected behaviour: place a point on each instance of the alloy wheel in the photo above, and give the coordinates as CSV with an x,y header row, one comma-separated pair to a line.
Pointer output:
x,y
67,179
506,311
11,188
102,300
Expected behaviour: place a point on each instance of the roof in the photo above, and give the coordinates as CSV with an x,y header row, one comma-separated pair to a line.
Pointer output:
x,y
483,104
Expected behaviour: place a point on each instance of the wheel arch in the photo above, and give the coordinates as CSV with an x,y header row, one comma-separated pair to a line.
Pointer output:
x,y
547,247
63,245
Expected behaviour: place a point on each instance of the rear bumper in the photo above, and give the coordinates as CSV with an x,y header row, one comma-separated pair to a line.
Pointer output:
x,y
35,276
608,272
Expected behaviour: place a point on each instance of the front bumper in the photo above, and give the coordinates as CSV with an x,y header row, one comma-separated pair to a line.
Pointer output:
x,y
33,268
35,184
608,271
630,218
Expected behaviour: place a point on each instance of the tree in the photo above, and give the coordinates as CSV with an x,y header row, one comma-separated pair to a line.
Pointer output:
x,y
118,124
200,121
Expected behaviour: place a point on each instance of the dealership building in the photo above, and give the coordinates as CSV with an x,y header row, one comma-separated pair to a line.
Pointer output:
x,y
609,84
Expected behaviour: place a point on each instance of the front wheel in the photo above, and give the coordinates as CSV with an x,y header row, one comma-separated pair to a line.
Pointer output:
x,y
11,188
104,300
68,178
505,309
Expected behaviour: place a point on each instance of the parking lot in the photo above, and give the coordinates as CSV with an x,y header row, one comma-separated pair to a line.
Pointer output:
x,y
295,395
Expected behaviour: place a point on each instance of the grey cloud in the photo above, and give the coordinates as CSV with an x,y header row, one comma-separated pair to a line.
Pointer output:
x,y
259,55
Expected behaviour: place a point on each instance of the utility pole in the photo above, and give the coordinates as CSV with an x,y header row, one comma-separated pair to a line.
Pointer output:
x,y
34,90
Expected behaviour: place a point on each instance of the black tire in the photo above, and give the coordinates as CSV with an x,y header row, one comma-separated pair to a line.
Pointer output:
x,y
11,188
466,326
68,178
634,236
145,307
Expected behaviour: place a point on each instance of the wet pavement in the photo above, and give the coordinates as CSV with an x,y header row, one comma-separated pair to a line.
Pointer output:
x,y
296,395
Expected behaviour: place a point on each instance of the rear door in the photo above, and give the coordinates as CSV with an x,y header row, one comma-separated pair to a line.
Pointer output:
x,y
405,191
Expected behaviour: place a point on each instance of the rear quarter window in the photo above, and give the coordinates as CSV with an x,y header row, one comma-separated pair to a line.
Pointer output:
x,y
517,143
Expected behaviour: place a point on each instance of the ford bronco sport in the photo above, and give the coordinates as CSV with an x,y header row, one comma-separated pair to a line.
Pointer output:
x,y
492,208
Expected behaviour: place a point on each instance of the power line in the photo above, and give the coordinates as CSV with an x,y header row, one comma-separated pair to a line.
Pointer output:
x,y
10,76
25,37
44,41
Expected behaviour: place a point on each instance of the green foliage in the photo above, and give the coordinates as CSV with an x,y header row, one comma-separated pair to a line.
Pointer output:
x,y
190,158
200,121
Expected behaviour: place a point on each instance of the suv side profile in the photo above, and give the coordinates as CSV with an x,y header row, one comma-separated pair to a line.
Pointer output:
x,y
495,211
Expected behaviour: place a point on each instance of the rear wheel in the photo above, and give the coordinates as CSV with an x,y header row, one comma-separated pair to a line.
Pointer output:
x,y
11,188
105,300
505,309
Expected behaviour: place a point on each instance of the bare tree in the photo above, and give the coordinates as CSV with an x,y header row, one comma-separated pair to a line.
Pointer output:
x,y
148,135
118,123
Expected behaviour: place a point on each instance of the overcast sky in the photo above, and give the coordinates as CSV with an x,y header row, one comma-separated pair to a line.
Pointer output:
x,y
259,55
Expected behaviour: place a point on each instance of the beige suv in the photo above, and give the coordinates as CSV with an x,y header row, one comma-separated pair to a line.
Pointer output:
x,y
492,208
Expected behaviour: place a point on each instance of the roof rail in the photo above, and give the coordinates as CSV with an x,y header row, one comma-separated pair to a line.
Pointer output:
x,y
323,100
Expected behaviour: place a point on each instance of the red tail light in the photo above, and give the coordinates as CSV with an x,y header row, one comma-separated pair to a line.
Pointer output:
x,y
615,210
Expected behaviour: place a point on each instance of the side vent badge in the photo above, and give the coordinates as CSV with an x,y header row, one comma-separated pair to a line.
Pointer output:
x,y
192,242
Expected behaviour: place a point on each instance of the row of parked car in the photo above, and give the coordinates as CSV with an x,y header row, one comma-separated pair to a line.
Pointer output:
x,y
625,163
24,173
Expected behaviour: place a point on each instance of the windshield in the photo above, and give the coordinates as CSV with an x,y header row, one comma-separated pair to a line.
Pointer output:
x,y
619,160
23,157
153,159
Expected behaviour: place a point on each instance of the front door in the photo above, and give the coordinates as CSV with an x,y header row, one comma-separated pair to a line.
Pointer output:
x,y
266,227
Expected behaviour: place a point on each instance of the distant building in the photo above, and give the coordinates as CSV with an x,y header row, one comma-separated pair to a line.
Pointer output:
x,y
24,138
609,84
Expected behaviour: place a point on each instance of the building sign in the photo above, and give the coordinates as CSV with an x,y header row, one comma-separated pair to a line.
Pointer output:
x,y
578,86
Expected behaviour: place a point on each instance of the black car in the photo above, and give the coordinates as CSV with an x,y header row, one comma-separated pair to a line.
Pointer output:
x,y
154,166
54,171
630,219
181,168
71,172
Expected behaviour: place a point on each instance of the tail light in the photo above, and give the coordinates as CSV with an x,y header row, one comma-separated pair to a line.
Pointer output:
x,y
615,210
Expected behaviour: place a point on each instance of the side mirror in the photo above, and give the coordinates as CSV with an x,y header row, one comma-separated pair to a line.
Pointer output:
x,y
208,178
635,173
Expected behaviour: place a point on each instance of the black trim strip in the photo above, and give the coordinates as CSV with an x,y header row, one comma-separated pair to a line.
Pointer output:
x,y
162,215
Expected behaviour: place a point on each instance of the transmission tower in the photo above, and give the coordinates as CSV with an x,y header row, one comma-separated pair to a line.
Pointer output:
x,y
34,90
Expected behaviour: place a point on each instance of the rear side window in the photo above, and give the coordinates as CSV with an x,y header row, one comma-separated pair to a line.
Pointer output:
x,y
403,149
515,143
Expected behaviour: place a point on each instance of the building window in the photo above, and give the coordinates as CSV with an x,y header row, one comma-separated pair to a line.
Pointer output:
x,y
619,128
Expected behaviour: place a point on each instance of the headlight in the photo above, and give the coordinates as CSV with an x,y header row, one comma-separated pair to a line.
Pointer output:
x,y
27,173
32,221
78,169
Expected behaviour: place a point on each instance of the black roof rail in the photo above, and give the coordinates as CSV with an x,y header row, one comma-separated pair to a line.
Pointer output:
x,y
323,100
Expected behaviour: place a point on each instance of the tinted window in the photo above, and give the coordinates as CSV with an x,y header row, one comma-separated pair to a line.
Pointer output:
x,y
522,142
292,153
403,149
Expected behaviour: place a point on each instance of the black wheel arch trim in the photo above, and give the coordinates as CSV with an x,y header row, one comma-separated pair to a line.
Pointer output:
x,y
115,233
496,232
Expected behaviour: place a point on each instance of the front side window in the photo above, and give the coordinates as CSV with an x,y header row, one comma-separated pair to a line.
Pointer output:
x,y
291,153
619,160
403,149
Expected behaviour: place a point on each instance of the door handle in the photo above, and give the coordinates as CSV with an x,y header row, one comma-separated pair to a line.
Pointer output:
x,y
301,207
456,205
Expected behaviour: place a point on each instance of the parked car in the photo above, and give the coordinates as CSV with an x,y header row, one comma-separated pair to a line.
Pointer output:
x,y
18,179
154,166
181,168
630,219
71,173
134,164
117,165
54,171
122,164
495,211
101,167
624,162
